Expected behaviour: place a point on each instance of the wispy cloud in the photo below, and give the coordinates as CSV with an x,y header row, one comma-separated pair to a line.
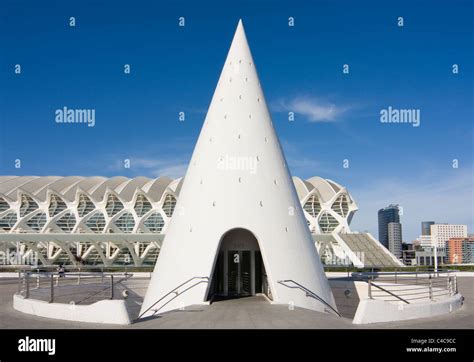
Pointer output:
x,y
312,108
171,160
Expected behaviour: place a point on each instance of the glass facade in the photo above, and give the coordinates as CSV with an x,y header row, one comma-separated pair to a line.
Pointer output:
x,y
56,205
3,205
169,205
142,205
85,205
327,222
387,215
113,205
155,222
37,221
125,222
8,221
66,222
27,205
312,206
96,222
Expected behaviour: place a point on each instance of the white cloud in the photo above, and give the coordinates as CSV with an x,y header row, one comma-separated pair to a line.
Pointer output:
x,y
315,110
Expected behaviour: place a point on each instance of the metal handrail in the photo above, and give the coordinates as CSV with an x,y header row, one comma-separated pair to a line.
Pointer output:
x,y
429,280
396,274
387,291
309,293
170,292
52,275
126,277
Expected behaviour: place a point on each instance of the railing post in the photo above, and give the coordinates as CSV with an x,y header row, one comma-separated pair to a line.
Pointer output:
x,y
37,279
112,287
51,296
431,289
370,289
27,294
455,284
19,281
57,279
416,276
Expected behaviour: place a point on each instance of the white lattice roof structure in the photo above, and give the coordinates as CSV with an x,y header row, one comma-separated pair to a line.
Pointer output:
x,y
75,204
48,208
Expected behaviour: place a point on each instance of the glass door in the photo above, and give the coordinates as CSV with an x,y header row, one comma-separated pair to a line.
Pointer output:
x,y
233,266
245,273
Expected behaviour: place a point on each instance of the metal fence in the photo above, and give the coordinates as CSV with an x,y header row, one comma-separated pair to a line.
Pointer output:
x,y
410,287
70,287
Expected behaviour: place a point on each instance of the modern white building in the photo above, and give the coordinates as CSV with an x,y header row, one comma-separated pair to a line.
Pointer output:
x,y
33,227
441,233
72,220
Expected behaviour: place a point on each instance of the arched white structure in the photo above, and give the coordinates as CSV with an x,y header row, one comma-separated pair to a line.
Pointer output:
x,y
58,206
327,206
237,178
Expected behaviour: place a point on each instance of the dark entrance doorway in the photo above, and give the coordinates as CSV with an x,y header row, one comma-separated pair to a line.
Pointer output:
x,y
239,270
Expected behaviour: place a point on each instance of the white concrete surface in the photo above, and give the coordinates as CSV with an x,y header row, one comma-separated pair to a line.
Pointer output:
x,y
238,179
104,311
376,311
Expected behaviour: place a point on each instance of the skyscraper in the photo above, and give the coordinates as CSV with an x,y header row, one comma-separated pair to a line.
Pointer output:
x,y
425,227
395,238
387,215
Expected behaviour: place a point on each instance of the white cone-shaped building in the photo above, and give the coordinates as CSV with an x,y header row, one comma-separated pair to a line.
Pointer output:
x,y
238,227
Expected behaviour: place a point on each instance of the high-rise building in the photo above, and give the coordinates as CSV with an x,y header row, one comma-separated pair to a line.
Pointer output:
x,y
426,227
387,215
460,250
441,233
395,238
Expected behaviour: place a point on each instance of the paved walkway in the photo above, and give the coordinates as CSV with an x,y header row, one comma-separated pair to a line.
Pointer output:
x,y
251,312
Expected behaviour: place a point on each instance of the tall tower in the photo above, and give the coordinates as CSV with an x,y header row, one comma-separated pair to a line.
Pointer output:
x,y
238,227
388,214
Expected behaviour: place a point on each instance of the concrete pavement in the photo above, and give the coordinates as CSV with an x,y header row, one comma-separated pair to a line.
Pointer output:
x,y
250,312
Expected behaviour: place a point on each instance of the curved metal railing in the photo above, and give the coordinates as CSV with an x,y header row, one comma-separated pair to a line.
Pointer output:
x,y
309,293
174,290
409,286
29,281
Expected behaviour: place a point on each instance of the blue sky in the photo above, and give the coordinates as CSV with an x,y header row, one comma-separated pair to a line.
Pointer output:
x,y
176,69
